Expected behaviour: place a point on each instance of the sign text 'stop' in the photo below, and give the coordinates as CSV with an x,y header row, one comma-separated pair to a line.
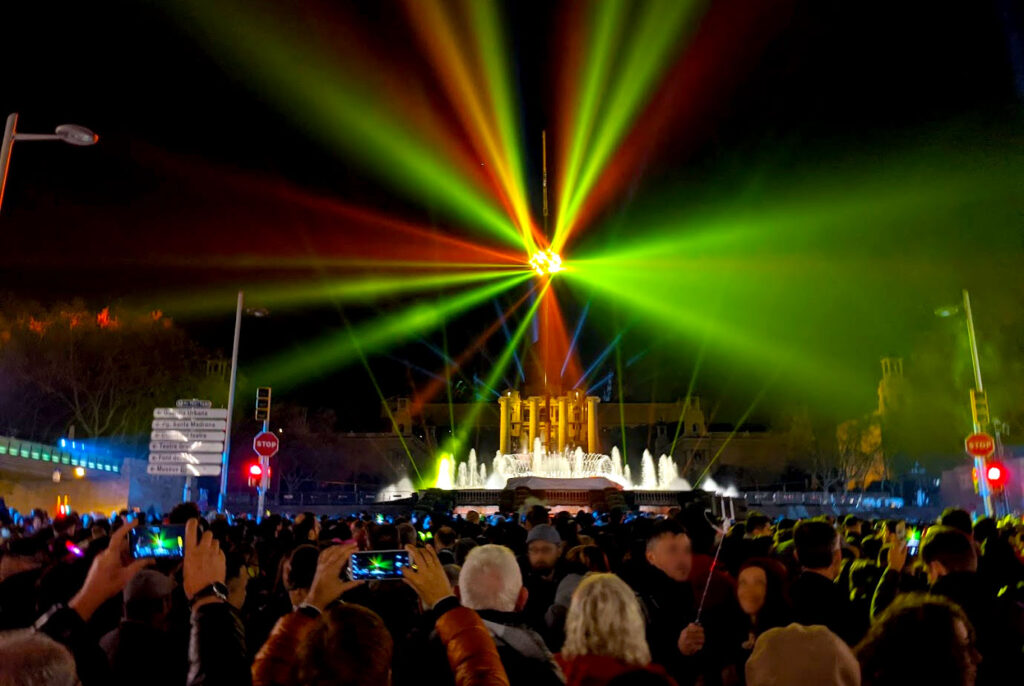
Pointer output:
x,y
980,445
266,444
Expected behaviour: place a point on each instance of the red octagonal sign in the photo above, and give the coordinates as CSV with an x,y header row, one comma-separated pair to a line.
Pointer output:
x,y
266,444
980,445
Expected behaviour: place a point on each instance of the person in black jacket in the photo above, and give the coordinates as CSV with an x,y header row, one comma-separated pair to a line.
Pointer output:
x,y
952,564
815,597
667,596
107,576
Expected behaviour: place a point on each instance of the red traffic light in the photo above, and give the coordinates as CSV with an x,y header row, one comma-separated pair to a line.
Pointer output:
x,y
255,470
996,474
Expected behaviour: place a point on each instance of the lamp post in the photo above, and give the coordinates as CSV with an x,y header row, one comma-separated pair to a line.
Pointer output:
x,y
71,134
979,462
231,404
240,309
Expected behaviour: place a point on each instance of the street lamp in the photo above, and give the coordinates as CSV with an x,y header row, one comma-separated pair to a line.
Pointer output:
x,y
258,312
979,462
72,134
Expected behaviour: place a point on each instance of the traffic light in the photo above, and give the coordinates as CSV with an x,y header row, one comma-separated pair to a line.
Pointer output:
x,y
263,403
979,408
995,474
255,473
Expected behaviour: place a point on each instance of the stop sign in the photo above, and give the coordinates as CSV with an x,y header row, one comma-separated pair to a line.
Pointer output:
x,y
980,445
266,444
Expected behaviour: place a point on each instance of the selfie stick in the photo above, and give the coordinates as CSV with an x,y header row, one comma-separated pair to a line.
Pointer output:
x,y
714,563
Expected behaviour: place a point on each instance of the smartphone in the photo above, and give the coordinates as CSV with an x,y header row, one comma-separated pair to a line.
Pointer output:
x,y
157,540
913,542
378,564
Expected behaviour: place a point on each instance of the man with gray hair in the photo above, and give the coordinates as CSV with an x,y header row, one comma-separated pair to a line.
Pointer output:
x,y
30,658
491,583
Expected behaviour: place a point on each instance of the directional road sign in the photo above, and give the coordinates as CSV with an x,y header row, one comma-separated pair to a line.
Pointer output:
x,y
187,440
183,469
186,447
190,413
186,435
191,424
185,458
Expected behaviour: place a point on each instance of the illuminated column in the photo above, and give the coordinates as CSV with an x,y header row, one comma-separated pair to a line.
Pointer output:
x,y
503,440
533,421
563,416
593,439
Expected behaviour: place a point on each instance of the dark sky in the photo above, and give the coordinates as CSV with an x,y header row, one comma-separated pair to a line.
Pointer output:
x,y
180,132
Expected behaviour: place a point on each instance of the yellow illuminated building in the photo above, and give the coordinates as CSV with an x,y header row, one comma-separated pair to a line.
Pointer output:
x,y
561,423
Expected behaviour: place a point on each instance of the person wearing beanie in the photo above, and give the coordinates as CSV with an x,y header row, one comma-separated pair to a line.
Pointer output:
x,y
798,655
543,569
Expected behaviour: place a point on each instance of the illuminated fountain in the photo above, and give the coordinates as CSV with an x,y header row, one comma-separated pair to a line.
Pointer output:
x,y
660,475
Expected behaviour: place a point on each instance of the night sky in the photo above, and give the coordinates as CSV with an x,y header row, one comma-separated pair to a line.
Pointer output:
x,y
197,163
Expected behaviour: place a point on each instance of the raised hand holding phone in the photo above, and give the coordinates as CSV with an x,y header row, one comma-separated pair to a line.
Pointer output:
x,y
204,563
108,575
327,584
426,576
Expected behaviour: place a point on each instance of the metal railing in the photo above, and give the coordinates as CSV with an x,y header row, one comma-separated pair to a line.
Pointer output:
x,y
868,500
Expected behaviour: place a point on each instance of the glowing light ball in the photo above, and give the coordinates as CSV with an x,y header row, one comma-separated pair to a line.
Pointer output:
x,y
546,262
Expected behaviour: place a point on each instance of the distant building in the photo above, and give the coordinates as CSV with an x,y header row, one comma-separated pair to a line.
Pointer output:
x,y
863,437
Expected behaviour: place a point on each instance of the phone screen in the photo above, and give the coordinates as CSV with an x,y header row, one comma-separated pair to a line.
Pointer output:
x,y
378,564
163,541
913,542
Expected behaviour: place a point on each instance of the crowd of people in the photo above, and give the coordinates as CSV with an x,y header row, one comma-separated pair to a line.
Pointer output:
x,y
530,598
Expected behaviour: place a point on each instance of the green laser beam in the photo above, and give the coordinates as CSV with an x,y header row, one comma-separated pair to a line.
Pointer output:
x,y
383,400
735,429
497,370
345,110
689,394
361,288
647,54
335,350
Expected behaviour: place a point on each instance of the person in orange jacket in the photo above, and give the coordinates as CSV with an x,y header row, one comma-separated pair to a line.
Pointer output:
x,y
303,635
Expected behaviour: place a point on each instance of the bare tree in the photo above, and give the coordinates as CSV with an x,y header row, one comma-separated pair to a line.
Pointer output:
x,y
103,372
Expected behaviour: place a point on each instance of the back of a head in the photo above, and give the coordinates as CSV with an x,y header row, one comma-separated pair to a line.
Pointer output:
x,y
956,518
918,624
698,528
301,567
798,655
537,515
815,543
406,534
589,556
490,579
182,512
605,619
950,547
984,529
756,520
383,536
446,537
29,658
462,548
350,646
